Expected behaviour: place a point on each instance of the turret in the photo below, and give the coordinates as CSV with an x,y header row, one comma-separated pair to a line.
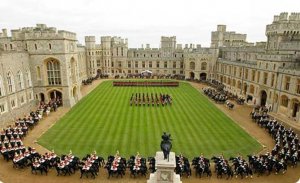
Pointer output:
x,y
90,42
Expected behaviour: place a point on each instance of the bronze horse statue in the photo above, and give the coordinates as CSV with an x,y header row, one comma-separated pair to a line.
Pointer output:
x,y
166,145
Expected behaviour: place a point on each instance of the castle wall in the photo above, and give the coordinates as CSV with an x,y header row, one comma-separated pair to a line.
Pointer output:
x,y
270,68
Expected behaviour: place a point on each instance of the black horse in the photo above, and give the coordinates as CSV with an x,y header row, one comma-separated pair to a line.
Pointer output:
x,y
166,145
166,148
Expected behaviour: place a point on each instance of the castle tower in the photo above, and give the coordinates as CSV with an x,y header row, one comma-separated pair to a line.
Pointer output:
x,y
106,50
90,42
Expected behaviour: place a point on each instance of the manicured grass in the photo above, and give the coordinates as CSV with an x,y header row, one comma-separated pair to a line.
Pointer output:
x,y
104,121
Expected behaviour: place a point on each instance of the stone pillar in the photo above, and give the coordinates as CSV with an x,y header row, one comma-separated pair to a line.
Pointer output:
x,y
164,170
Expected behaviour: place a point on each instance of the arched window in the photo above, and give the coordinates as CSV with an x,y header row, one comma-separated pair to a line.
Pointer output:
x,y
38,72
203,66
192,65
10,82
2,91
284,101
28,78
20,80
53,72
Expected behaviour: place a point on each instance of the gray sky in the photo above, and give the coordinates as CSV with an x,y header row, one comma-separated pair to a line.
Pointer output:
x,y
144,21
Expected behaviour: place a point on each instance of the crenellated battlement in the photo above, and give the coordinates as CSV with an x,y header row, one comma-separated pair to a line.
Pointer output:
x,y
284,24
41,31
284,17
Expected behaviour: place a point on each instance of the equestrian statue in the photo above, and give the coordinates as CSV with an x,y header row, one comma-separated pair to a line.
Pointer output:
x,y
166,145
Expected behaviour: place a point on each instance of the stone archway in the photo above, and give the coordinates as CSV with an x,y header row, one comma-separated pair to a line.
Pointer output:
x,y
55,95
263,98
203,76
192,75
42,97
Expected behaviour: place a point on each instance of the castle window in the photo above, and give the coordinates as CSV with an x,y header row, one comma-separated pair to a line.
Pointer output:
x,y
298,87
157,64
53,72
150,64
20,80
2,91
50,47
174,64
265,78
11,46
2,108
284,101
181,65
165,64
246,74
144,55
272,80
143,64
204,66
129,64
13,103
22,99
10,82
35,46
38,72
192,65
136,64
287,83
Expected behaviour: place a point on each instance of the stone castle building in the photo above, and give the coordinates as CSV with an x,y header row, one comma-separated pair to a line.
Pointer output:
x,y
40,63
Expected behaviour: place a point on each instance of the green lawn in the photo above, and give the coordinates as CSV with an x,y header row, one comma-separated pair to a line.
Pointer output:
x,y
104,121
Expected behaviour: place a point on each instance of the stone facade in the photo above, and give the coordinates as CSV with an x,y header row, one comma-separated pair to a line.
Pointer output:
x,y
267,73
40,63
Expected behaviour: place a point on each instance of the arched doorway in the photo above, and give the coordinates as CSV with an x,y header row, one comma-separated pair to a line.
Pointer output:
x,y
192,75
203,76
42,97
295,108
263,98
55,95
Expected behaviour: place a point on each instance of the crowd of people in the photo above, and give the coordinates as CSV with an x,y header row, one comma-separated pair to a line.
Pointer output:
x,y
287,146
139,99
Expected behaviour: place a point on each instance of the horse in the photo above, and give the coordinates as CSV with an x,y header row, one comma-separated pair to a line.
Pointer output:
x,y
166,148
92,170
41,168
151,162
118,171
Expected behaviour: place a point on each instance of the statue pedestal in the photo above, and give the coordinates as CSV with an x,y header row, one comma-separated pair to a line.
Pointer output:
x,y
164,170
